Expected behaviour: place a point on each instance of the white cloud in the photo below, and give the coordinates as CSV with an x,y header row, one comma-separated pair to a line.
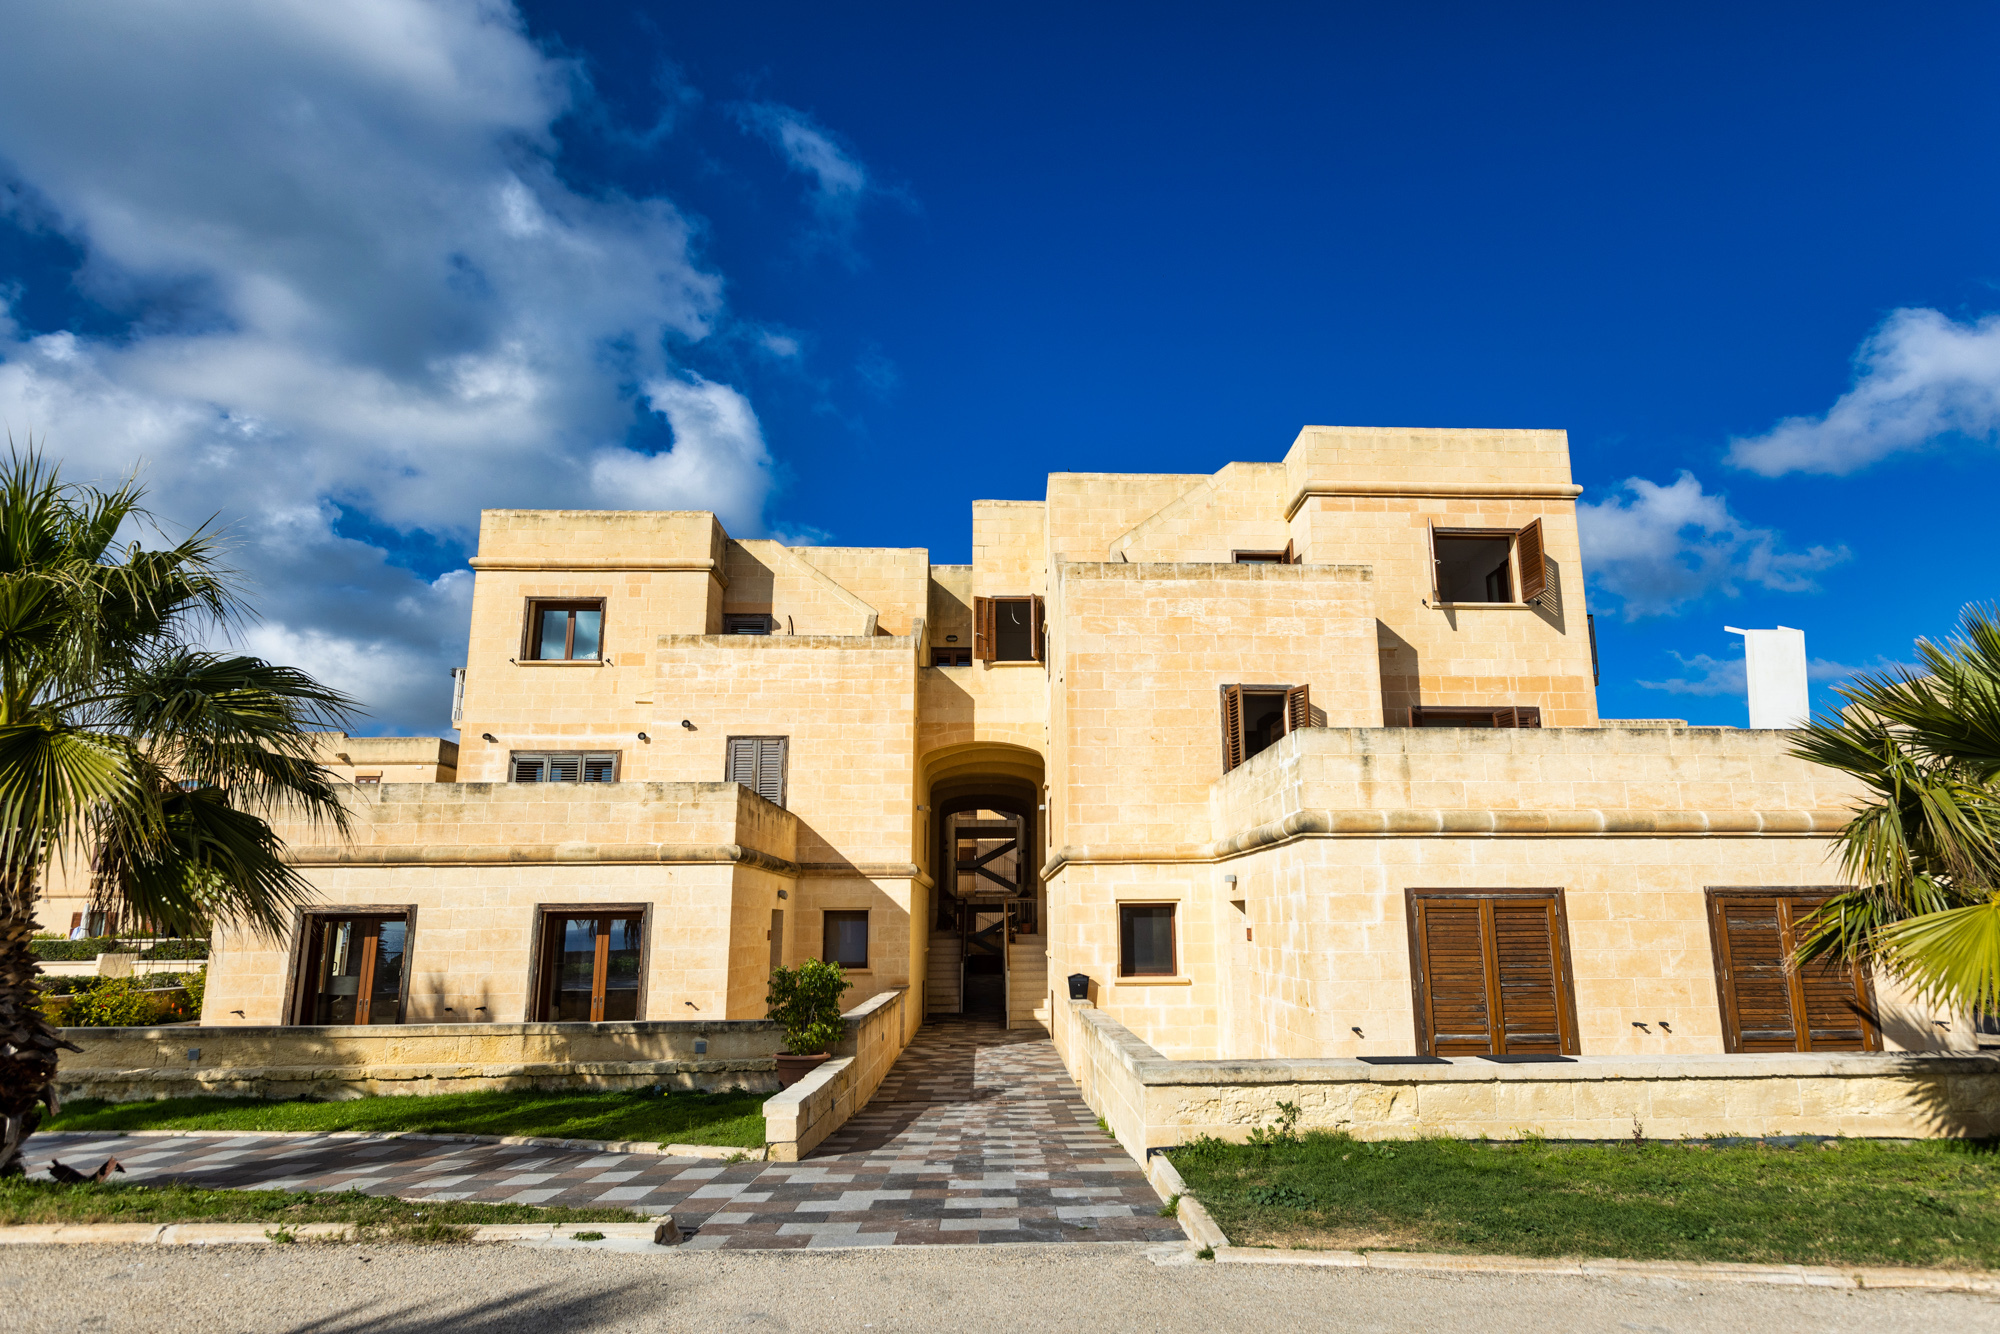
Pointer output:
x,y
841,184
1656,548
1919,377
354,278
1725,676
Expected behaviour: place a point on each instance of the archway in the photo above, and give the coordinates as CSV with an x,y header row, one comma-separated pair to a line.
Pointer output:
x,y
986,957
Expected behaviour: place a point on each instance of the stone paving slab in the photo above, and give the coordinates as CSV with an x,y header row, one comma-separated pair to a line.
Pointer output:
x,y
976,1137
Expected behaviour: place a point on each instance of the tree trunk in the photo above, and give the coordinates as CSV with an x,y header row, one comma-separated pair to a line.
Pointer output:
x,y
28,1042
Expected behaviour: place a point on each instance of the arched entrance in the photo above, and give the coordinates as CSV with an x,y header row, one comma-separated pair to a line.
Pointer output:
x,y
987,957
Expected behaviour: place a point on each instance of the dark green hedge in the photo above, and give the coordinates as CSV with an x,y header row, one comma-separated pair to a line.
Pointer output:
x,y
88,948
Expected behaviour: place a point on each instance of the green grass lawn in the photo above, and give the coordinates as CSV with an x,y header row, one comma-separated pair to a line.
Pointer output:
x,y
1851,1202
24,1201
673,1118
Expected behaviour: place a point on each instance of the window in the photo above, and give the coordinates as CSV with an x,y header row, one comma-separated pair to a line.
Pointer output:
x,y
758,762
1289,556
367,778
759,624
1007,629
951,657
590,965
565,766
354,969
1253,717
564,631
1768,1005
846,939
1145,940
1488,564
1422,715
1491,973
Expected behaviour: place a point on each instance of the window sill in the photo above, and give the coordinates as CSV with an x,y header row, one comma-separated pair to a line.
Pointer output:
x,y
557,662
1014,662
1485,606
1154,982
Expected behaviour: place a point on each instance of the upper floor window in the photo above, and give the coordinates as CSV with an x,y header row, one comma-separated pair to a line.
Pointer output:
x,y
1289,556
758,762
565,631
1506,715
846,939
757,624
1488,564
1254,717
564,767
1007,629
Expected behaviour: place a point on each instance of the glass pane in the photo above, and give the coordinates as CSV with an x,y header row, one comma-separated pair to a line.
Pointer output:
x,y
1148,944
847,939
385,1004
1014,630
587,625
553,641
339,973
621,981
576,969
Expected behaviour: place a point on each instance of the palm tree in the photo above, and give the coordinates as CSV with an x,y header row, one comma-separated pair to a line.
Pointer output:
x,y
1925,850
128,749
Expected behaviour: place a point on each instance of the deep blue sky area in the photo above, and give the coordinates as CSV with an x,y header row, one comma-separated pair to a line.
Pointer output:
x,y
1165,237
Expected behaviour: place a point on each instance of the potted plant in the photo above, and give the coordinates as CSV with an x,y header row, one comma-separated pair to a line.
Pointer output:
x,y
805,1002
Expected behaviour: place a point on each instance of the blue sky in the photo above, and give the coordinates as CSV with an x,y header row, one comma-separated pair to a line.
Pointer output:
x,y
348,274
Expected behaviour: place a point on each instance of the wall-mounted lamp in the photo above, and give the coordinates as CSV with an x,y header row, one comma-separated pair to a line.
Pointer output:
x,y
783,895
1356,1031
643,737
685,723
1641,1027
488,736
692,1006
1229,880
951,639
1663,1026
923,808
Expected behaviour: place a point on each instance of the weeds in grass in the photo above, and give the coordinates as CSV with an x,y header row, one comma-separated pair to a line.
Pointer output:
x,y
1286,1131
1172,1208
281,1236
23,1200
1205,1253
586,1236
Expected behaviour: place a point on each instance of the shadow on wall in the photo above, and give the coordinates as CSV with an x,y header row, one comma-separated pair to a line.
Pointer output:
x,y
450,1007
1400,669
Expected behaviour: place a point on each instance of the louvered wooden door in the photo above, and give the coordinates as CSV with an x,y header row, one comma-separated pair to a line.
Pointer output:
x,y
1767,1005
1492,974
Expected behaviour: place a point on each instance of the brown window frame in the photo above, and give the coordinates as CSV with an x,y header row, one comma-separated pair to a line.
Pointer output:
x,y
1299,713
1494,715
1725,970
985,635
1414,900
1173,937
531,640
1289,556
303,968
584,759
545,958
1527,564
951,657
829,918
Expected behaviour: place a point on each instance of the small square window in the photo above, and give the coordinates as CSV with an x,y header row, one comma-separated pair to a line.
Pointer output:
x,y
367,778
759,624
565,631
951,657
846,939
1145,940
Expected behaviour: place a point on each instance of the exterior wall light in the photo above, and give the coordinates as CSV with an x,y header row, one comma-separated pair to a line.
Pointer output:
x,y
645,738
685,723
488,736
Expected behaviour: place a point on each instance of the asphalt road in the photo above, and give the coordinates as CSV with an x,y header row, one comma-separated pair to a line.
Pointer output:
x,y
503,1289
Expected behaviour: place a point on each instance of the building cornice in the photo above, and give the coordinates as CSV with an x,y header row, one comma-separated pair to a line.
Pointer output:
x,y
1408,823
595,854
1437,490
564,565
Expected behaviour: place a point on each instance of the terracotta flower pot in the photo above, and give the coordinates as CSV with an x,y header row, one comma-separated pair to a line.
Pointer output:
x,y
791,1069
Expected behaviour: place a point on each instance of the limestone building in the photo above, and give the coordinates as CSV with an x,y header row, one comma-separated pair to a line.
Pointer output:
x,y
1298,758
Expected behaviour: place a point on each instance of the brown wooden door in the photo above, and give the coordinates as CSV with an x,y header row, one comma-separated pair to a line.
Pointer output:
x,y
1768,1005
1492,974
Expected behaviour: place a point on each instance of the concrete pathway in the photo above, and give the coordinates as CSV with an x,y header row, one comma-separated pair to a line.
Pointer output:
x,y
977,1135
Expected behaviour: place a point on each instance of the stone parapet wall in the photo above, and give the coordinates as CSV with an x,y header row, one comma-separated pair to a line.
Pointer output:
x,y
127,1064
1151,1102
802,1116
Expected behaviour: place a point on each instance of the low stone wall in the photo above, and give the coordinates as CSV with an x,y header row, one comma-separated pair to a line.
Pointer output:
x,y
1152,1102
127,1064
798,1119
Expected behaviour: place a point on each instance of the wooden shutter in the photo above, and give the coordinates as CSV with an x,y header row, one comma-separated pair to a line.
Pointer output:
x,y
770,783
1491,975
1534,567
1431,540
1298,707
1767,1005
1035,629
982,629
1232,727
741,766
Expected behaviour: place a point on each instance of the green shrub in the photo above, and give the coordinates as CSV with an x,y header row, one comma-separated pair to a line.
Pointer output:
x,y
195,984
117,1002
805,1002
88,948
179,949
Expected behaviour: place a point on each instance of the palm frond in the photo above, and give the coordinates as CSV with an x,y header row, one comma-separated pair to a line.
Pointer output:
x,y
204,862
1949,958
52,778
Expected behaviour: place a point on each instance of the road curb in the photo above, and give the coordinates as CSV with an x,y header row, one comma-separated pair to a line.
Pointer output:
x,y
534,1141
1810,1276
661,1233
1200,1227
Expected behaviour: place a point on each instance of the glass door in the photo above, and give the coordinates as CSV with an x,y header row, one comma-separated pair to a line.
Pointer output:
x,y
355,970
592,968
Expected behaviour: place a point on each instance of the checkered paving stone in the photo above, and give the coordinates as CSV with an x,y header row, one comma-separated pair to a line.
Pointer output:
x,y
977,1136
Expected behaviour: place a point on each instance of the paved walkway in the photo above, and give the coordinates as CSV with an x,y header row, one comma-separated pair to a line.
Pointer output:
x,y
977,1135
